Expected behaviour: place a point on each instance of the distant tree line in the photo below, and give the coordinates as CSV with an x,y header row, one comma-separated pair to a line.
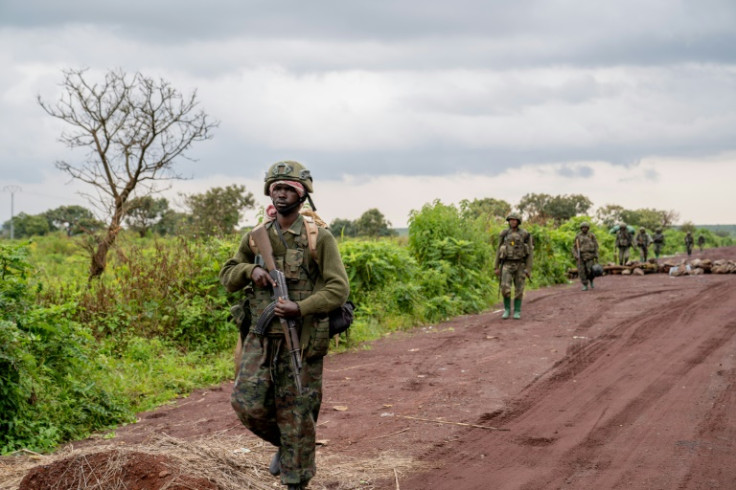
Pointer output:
x,y
215,212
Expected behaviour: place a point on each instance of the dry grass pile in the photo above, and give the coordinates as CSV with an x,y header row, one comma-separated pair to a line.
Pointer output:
x,y
229,462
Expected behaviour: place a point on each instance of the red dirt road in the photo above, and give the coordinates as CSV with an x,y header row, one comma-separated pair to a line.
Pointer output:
x,y
628,386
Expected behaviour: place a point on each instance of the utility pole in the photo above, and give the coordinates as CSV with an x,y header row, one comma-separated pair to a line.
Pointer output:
x,y
12,189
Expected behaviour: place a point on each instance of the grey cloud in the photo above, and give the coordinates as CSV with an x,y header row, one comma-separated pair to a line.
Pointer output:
x,y
583,171
494,33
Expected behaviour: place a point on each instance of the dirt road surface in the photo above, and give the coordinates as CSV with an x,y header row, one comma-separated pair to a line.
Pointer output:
x,y
631,385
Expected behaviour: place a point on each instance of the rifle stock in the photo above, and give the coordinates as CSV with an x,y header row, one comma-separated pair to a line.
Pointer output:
x,y
281,291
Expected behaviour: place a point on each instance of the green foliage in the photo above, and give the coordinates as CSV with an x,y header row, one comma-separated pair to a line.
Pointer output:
x,y
51,390
73,220
489,209
28,225
343,228
371,223
540,208
217,211
144,212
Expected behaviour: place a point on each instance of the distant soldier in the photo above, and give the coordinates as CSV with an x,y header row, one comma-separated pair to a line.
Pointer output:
x,y
586,253
701,242
642,241
689,243
514,263
624,242
658,240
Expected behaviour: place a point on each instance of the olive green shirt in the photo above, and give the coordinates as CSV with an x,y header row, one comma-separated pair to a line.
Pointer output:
x,y
331,288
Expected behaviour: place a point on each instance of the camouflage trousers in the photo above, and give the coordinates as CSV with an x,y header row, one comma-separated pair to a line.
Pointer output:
x,y
643,253
512,273
585,270
623,255
266,402
657,249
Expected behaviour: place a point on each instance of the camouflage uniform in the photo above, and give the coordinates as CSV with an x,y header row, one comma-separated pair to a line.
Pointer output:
x,y
658,240
642,240
514,258
623,243
689,243
701,242
586,250
265,397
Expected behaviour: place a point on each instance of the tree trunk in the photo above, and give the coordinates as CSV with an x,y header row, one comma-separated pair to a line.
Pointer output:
x,y
99,257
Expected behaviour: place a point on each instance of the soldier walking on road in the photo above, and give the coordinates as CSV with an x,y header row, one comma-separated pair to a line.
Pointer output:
x,y
586,253
658,240
642,242
265,396
513,265
689,243
701,242
624,242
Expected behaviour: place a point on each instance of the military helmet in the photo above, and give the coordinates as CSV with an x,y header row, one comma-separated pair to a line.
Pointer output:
x,y
659,230
642,229
514,216
584,224
288,170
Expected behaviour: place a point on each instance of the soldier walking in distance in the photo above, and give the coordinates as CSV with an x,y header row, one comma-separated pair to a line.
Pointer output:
x,y
689,243
658,240
514,259
624,242
642,242
586,253
265,396
701,242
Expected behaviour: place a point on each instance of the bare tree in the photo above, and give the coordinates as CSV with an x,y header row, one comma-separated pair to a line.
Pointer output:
x,y
134,128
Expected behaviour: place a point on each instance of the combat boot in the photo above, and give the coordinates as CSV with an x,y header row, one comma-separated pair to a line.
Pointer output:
x,y
591,284
517,308
585,287
275,466
506,307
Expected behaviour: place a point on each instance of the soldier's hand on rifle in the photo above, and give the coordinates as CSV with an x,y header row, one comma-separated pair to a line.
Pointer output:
x,y
527,274
286,308
261,278
497,271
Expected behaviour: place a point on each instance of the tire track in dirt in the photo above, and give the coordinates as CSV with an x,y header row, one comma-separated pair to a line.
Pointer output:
x,y
591,421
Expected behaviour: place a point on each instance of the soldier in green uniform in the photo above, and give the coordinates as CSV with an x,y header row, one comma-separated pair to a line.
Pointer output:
x,y
689,243
514,263
624,242
658,240
643,240
586,253
701,242
265,396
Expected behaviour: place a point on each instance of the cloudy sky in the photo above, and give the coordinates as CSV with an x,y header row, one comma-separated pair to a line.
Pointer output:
x,y
395,103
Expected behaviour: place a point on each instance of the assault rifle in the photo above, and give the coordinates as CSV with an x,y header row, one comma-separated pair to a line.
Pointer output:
x,y
280,291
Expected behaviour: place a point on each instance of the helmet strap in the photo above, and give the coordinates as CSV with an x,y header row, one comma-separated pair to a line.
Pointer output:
x,y
311,203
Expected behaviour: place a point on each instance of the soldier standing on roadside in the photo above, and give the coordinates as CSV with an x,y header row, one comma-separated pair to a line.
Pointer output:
x,y
658,240
701,242
689,243
623,243
514,259
265,397
642,242
586,253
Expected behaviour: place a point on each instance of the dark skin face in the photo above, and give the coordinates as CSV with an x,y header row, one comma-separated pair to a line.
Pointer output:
x,y
282,196
514,223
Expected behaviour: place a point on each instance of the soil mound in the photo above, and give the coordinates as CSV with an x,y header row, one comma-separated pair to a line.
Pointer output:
x,y
113,469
